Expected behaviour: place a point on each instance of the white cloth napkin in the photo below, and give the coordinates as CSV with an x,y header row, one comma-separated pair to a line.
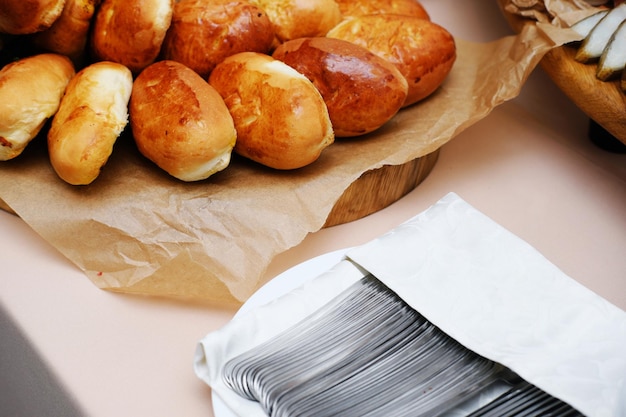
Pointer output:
x,y
480,284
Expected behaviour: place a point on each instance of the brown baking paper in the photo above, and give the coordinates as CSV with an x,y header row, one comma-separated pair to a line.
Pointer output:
x,y
137,230
558,13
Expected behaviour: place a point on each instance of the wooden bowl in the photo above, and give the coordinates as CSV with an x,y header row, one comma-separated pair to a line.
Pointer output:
x,y
603,101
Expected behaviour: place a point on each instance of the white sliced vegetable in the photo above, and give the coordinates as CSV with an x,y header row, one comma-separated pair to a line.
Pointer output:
x,y
584,26
613,59
594,44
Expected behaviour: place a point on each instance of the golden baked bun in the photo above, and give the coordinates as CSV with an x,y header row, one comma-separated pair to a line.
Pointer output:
x,y
362,90
20,17
203,33
92,115
352,8
30,93
68,35
130,32
423,51
294,19
281,119
180,122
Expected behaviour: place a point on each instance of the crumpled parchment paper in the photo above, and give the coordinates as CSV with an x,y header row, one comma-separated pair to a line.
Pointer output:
x,y
560,13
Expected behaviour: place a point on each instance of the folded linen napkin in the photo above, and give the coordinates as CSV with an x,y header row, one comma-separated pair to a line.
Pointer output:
x,y
481,285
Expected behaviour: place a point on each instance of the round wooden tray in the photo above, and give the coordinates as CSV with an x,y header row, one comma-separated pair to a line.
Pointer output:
x,y
603,101
373,191
378,188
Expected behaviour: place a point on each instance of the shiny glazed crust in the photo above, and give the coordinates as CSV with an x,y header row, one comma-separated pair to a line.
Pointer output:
x,y
68,35
423,51
19,17
131,32
180,122
281,118
352,8
92,115
203,33
30,93
294,19
362,90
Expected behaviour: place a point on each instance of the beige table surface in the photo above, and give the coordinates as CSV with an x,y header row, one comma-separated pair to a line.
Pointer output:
x,y
68,348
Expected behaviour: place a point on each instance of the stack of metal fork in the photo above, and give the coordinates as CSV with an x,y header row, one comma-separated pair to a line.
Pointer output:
x,y
367,353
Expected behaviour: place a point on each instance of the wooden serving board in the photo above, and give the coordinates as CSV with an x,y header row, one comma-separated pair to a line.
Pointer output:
x,y
373,191
603,101
378,188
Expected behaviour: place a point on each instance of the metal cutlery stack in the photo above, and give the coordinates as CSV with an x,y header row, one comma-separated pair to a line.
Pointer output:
x,y
367,353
